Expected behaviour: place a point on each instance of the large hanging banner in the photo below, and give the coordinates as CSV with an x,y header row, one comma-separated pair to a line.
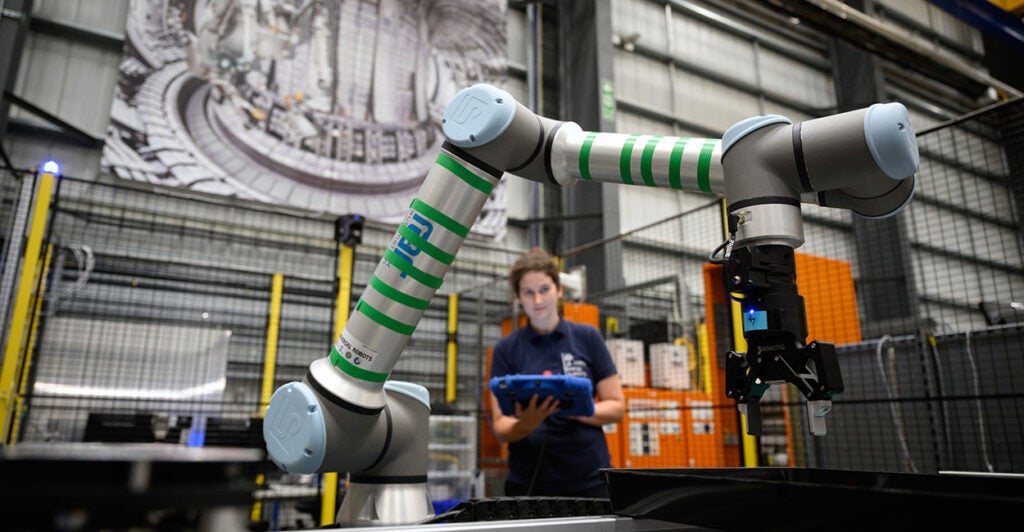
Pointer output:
x,y
332,106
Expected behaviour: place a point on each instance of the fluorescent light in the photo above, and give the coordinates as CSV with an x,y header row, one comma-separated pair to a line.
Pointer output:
x,y
54,388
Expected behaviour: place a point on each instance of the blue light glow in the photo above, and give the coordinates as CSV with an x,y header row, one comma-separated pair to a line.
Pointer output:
x,y
51,167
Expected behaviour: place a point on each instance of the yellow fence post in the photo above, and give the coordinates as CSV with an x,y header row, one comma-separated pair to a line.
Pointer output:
x,y
37,306
343,302
269,366
16,333
451,371
740,345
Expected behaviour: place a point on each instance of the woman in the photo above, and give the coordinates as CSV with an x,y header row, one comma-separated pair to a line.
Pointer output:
x,y
553,455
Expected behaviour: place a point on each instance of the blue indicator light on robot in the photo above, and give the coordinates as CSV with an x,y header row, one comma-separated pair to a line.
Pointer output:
x,y
51,167
755,320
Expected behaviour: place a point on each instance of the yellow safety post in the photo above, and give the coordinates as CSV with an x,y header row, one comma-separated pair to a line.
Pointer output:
x,y
270,356
611,325
740,345
269,365
20,312
27,365
343,299
705,357
342,304
451,371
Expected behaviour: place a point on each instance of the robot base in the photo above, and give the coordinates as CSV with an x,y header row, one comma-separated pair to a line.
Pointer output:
x,y
373,504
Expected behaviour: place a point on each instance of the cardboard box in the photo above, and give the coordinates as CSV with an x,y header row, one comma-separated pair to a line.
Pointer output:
x,y
670,366
628,356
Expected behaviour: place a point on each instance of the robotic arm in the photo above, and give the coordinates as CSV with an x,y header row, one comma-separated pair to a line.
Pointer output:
x,y
347,416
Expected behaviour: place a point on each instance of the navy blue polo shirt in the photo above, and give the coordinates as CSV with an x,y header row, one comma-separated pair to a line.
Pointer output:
x,y
569,453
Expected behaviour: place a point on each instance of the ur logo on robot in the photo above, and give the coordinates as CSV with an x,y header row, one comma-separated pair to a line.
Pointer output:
x,y
419,226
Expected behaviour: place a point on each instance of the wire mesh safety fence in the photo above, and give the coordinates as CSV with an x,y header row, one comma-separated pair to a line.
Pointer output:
x,y
157,317
924,308
943,390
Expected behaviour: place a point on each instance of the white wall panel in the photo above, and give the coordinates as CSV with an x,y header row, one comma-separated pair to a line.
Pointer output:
x,y
74,82
990,199
518,89
795,80
917,10
641,265
959,187
642,80
709,47
935,19
699,231
963,234
30,152
644,19
710,103
948,319
930,16
772,108
517,37
108,15
626,122
643,205
962,281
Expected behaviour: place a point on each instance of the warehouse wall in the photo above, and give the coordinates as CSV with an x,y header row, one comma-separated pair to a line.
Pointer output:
x,y
687,68
680,68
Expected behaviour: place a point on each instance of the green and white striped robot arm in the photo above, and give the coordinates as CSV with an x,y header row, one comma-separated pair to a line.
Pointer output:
x,y
347,415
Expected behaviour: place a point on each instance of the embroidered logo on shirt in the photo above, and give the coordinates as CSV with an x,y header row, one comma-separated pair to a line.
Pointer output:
x,y
573,367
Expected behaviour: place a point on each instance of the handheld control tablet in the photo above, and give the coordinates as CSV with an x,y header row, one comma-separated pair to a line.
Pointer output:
x,y
575,395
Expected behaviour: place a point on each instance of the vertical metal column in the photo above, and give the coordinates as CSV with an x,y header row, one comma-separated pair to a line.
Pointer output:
x,y
588,98
348,232
886,286
14,19
15,246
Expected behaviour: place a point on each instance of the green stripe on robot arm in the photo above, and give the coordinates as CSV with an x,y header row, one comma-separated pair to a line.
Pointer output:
x,y
396,295
465,174
353,370
384,320
416,240
441,218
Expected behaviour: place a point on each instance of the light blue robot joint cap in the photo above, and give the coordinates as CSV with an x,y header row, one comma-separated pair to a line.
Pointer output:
x,y
413,390
294,429
477,115
891,140
747,126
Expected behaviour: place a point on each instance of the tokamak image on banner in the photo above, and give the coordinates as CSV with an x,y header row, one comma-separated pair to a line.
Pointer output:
x,y
330,106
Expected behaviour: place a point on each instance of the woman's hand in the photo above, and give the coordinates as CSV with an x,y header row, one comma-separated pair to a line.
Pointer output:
x,y
534,414
512,428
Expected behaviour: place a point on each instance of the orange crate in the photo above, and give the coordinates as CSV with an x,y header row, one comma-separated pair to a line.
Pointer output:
x,y
652,429
704,444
